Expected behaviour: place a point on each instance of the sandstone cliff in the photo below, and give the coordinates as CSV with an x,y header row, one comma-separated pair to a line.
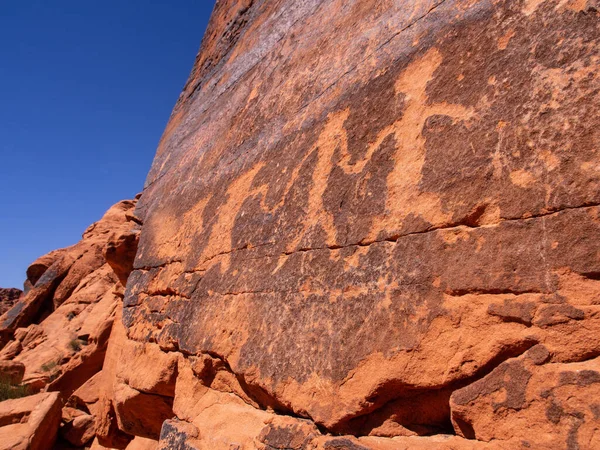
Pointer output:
x,y
55,337
368,225
380,219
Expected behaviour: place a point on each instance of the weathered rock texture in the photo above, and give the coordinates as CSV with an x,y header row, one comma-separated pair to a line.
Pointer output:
x,y
29,423
369,224
8,297
361,218
55,338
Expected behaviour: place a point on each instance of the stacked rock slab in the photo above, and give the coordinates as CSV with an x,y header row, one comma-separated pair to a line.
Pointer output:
x,y
56,337
375,219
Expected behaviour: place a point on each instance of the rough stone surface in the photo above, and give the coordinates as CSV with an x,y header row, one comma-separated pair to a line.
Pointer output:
x,y
140,443
60,329
57,335
12,371
360,210
557,400
368,225
8,297
30,423
80,430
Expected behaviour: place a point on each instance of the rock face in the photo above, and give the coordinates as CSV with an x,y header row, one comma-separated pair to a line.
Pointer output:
x,y
55,338
29,423
364,216
8,297
368,225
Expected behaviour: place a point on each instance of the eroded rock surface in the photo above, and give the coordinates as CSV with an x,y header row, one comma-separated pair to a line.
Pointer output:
x,y
8,297
56,337
361,210
368,225
30,423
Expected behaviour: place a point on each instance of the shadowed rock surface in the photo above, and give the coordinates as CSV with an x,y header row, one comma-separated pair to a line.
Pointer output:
x,y
368,225
8,297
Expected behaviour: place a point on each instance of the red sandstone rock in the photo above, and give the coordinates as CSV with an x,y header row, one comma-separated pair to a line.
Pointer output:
x,y
359,232
140,443
29,423
59,332
557,400
368,225
119,253
144,388
8,297
80,430
12,371
72,305
62,274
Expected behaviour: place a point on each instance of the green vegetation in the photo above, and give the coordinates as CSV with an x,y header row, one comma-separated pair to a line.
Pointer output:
x,y
9,390
75,345
49,366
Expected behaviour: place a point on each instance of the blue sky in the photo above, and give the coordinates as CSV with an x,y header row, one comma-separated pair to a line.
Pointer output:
x,y
86,89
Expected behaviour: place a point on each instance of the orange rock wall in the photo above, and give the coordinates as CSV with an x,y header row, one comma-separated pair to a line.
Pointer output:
x,y
369,224
360,209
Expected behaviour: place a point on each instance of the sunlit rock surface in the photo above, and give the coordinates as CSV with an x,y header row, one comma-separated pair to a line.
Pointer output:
x,y
359,210
368,225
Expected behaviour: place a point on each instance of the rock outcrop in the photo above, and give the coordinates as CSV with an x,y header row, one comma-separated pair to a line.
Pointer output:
x,y
368,225
373,219
55,337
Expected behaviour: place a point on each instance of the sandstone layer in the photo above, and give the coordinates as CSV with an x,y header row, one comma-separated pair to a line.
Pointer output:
x,y
364,216
368,225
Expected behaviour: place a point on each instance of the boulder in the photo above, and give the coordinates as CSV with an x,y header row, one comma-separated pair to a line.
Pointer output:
x,y
41,265
80,430
12,371
30,423
557,400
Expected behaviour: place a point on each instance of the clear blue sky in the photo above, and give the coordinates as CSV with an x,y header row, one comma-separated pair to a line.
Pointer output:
x,y
86,89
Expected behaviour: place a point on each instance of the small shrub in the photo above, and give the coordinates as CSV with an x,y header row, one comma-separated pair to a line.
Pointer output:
x,y
49,366
9,390
75,345
71,316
